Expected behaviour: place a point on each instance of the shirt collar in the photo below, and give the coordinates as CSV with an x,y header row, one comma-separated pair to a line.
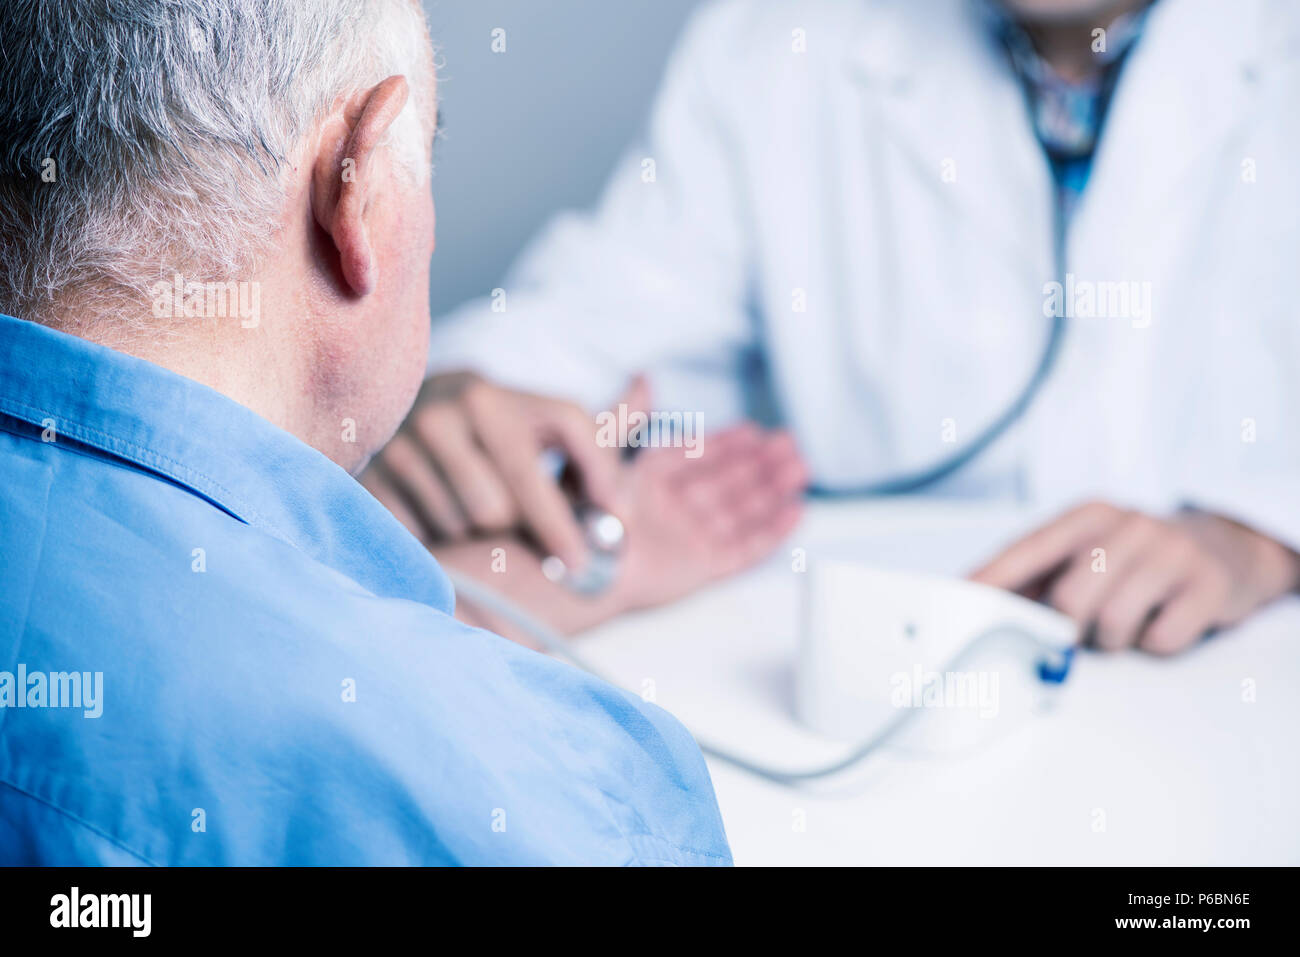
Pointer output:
x,y
1067,114
1121,34
157,421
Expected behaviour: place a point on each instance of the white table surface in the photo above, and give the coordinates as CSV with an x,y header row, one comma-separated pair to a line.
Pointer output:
x,y
1139,761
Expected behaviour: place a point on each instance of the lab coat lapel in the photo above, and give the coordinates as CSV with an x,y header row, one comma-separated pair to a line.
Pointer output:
x,y
1185,95
951,103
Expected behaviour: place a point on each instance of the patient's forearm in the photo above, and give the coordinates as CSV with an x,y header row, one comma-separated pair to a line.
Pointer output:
x,y
510,567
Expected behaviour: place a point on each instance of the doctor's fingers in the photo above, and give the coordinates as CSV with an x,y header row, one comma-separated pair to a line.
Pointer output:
x,y
408,476
374,481
1161,571
571,429
455,462
515,452
1044,551
1099,566
1186,616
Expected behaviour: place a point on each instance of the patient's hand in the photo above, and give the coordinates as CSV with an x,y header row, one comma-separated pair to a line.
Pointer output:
x,y
1155,583
688,521
692,521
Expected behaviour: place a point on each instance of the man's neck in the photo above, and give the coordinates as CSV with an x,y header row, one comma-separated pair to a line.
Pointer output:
x,y
259,367
1067,45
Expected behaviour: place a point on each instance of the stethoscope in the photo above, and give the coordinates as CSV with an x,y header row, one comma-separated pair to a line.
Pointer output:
x,y
605,535
918,481
911,483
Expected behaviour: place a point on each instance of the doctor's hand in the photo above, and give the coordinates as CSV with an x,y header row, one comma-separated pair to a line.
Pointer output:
x,y
466,464
1133,580
691,521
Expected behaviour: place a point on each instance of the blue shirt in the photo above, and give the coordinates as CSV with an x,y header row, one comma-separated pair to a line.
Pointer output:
x,y
278,675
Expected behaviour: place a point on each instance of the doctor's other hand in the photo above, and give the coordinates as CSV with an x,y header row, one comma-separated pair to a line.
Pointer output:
x,y
466,463
691,521
1133,580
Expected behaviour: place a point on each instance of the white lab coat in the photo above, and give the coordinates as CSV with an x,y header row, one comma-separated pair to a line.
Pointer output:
x,y
859,237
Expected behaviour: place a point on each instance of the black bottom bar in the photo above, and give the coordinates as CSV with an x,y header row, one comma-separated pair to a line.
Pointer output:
x,y
331,906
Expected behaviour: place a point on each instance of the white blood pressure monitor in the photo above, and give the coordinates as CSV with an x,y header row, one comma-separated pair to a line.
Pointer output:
x,y
877,642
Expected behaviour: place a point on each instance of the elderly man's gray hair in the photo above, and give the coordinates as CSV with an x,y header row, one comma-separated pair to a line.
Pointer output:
x,y
146,136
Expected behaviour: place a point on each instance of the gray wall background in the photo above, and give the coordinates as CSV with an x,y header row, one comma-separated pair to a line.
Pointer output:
x,y
538,128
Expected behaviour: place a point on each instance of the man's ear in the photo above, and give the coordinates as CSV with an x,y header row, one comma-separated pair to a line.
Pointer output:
x,y
345,177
